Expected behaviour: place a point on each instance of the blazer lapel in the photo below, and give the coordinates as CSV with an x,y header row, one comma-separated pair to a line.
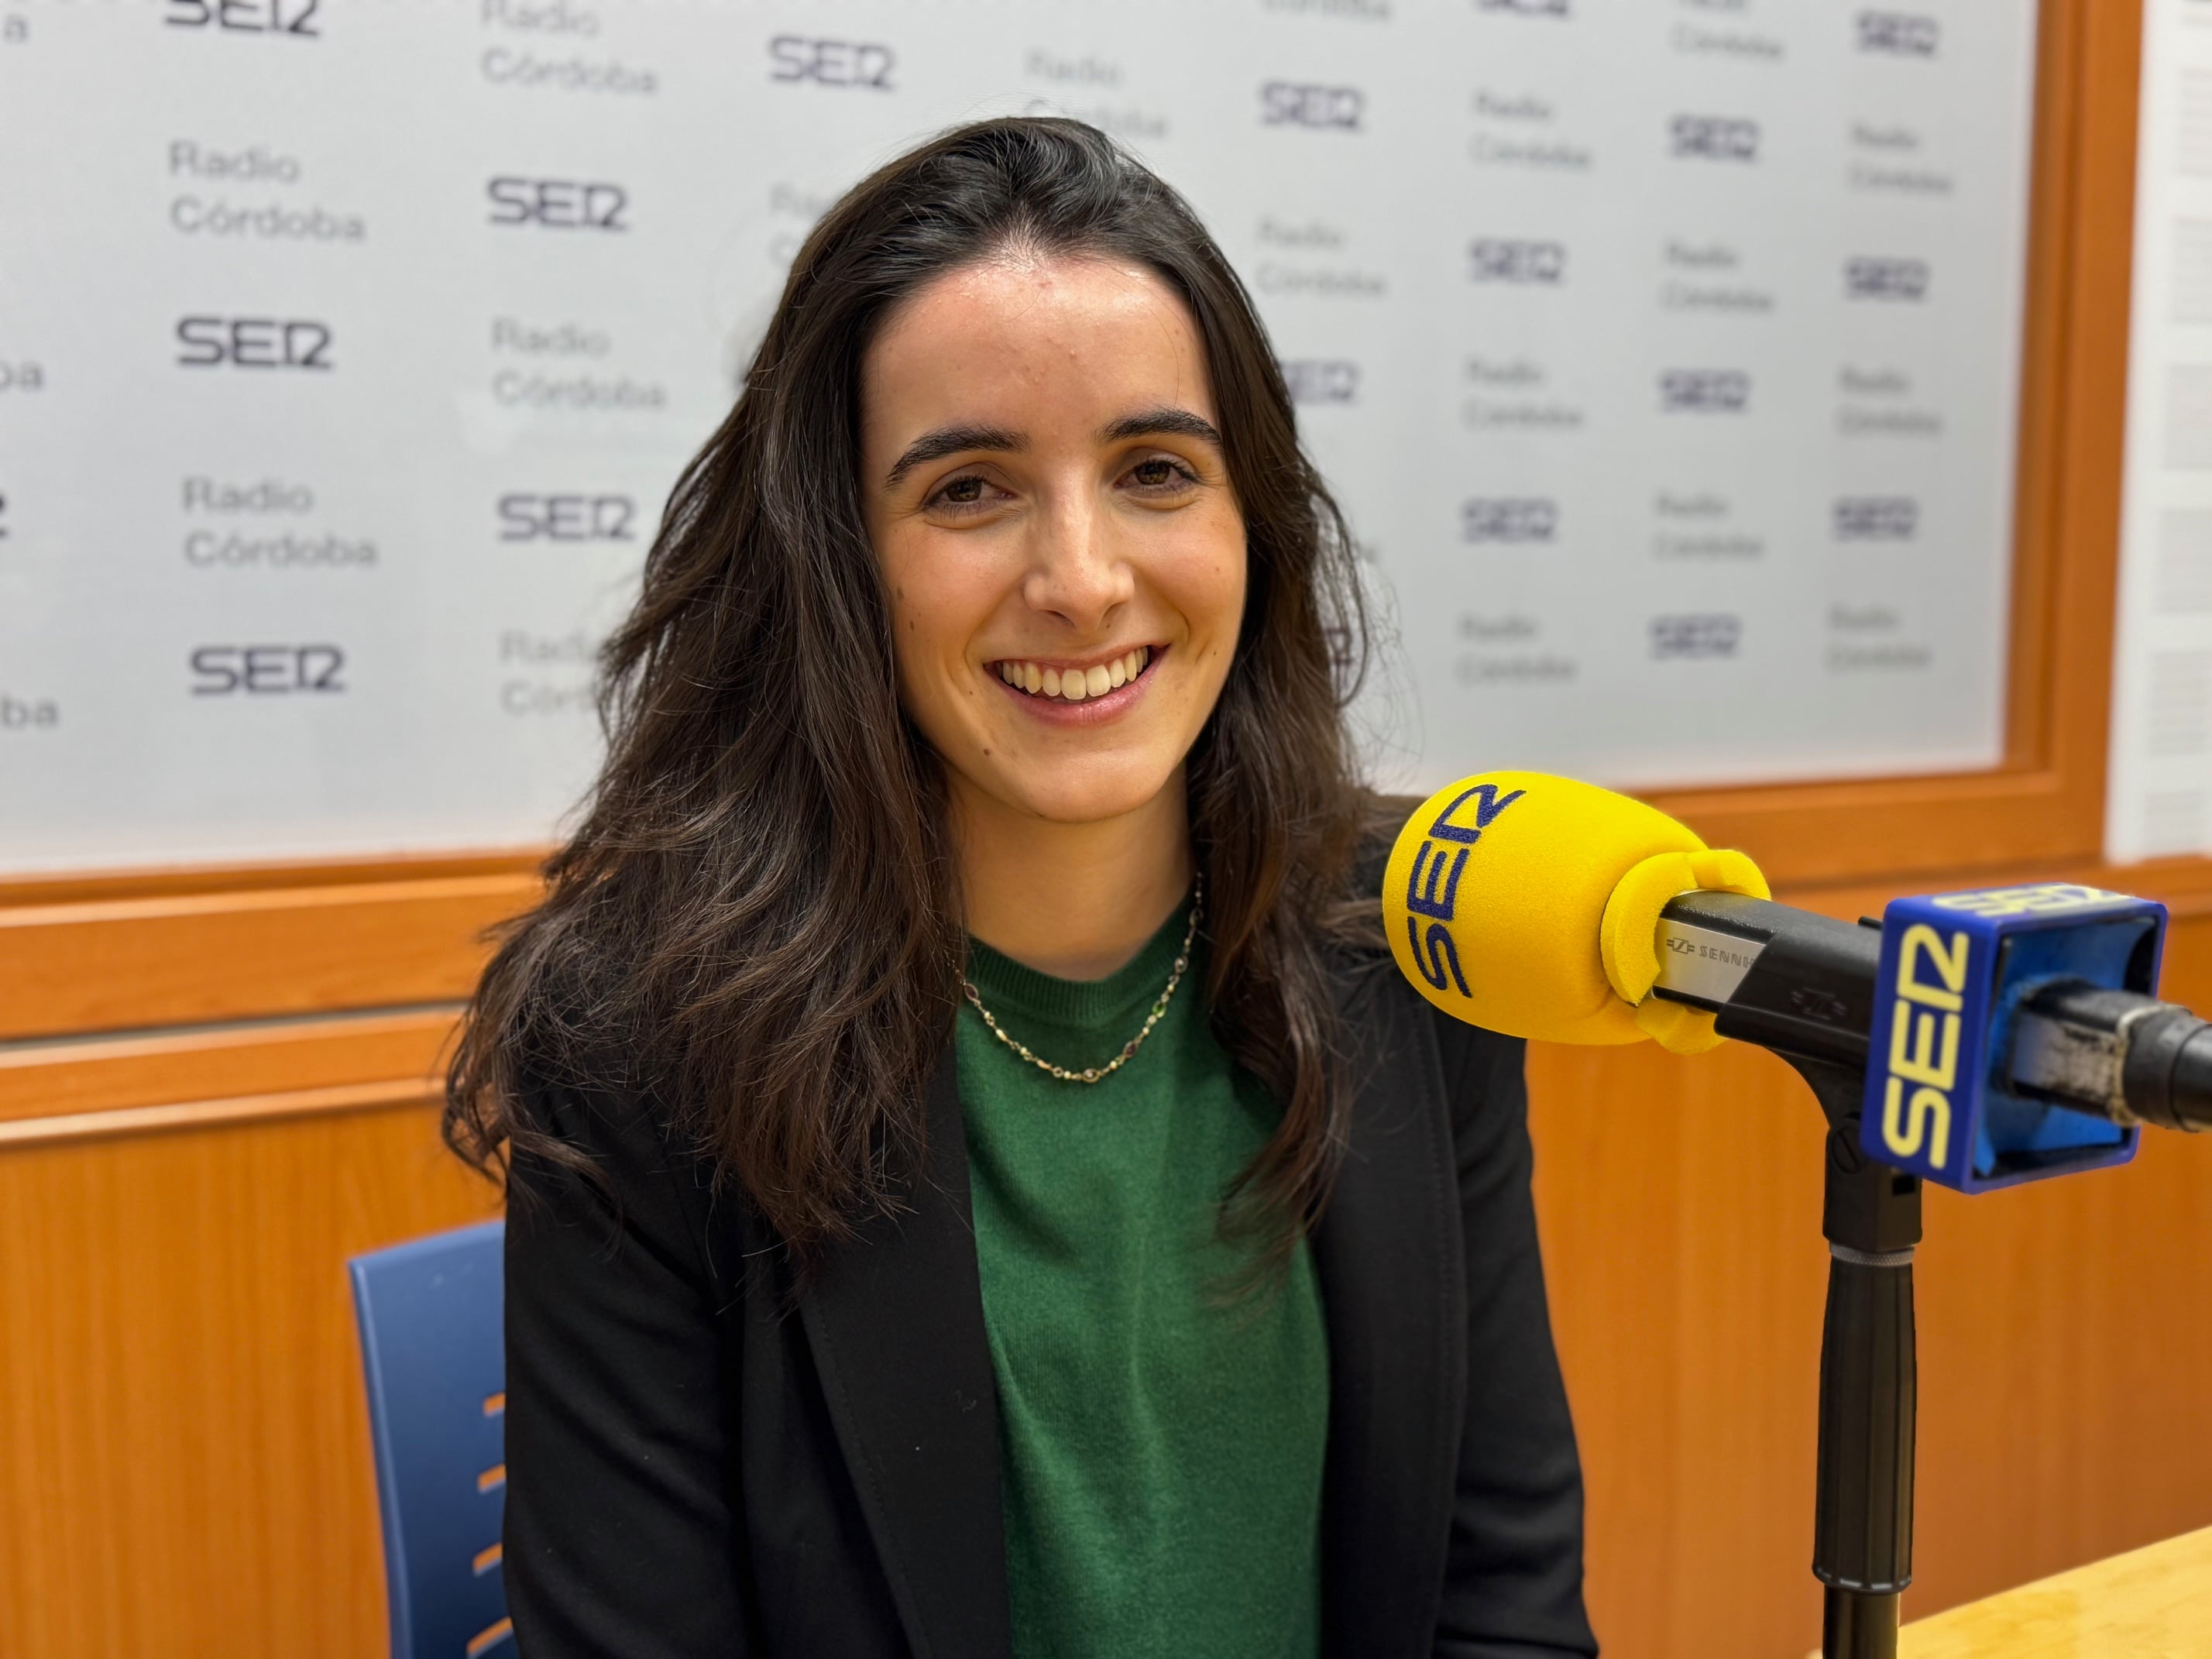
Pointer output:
x,y
1387,1256
896,1321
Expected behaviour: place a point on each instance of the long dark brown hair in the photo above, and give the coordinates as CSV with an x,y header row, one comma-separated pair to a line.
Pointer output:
x,y
757,924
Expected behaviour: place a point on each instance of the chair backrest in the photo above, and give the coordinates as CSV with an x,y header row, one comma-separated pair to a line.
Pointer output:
x,y
431,1344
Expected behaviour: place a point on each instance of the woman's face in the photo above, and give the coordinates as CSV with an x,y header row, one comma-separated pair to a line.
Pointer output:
x,y
1043,480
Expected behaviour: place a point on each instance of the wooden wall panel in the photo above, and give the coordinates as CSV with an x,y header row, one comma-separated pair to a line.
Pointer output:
x,y
2065,1330
111,963
184,1450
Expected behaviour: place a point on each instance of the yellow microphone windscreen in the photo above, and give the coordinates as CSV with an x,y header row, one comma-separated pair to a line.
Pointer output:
x,y
1495,900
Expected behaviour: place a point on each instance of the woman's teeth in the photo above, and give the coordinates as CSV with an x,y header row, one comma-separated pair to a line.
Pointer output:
x,y
1076,683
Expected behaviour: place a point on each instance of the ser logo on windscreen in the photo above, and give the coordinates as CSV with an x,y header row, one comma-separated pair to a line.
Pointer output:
x,y
1432,883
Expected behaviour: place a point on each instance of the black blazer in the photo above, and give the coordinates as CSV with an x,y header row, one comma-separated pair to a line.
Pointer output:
x,y
694,1469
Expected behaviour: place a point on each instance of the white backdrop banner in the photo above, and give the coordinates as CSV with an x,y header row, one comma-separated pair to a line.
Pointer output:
x,y
2160,795
1664,356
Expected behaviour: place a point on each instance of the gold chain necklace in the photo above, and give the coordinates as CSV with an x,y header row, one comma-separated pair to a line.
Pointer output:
x,y
1099,1073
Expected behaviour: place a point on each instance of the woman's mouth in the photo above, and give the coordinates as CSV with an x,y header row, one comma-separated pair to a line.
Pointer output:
x,y
1074,682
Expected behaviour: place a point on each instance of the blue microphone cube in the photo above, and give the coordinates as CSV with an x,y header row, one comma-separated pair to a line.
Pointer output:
x,y
1955,968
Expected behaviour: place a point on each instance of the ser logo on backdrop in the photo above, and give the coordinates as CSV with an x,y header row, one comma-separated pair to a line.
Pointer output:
x,y
265,670
1321,379
1874,518
1704,390
294,17
557,203
1503,259
1509,519
566,518
1868,278
830,63
1686,637
1900,34
253,342
1713,137
1307,104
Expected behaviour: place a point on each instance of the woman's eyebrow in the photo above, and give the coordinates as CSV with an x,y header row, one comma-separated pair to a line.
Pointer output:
x,y
952,440
1147,422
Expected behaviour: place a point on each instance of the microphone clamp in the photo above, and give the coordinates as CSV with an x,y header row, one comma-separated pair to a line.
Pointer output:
x,y
2005,1034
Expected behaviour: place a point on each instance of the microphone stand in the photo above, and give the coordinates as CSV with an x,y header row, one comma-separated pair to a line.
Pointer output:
x,y
1863,1507
1804,1000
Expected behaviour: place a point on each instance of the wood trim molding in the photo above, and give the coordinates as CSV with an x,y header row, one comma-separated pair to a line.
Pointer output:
x,y
169,881
77,1127
256,1072
260,1057
2183,885
155,960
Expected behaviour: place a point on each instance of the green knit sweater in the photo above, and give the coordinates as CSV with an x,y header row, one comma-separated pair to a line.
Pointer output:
x,y
1161,1442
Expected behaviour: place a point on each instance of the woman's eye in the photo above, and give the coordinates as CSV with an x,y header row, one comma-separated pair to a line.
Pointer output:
x,y
1160,473
961,492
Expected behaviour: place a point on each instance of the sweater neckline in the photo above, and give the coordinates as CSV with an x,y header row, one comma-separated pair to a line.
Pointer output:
x,y
1085,1005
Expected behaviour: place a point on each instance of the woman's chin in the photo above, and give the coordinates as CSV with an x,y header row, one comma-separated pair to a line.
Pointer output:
x,y
1091,792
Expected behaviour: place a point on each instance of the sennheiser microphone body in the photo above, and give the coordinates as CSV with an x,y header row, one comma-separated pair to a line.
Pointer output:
x,y
1793,981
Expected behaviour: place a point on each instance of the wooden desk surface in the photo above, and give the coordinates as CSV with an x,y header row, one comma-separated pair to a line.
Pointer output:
x,y
2152,1603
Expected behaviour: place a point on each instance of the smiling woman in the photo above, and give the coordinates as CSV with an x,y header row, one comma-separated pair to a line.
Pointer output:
x,y
987,690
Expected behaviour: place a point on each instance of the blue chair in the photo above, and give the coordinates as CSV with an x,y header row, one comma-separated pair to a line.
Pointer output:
x,y
430,1313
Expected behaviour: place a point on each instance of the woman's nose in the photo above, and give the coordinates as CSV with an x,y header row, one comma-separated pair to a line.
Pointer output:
x,y
1078,570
